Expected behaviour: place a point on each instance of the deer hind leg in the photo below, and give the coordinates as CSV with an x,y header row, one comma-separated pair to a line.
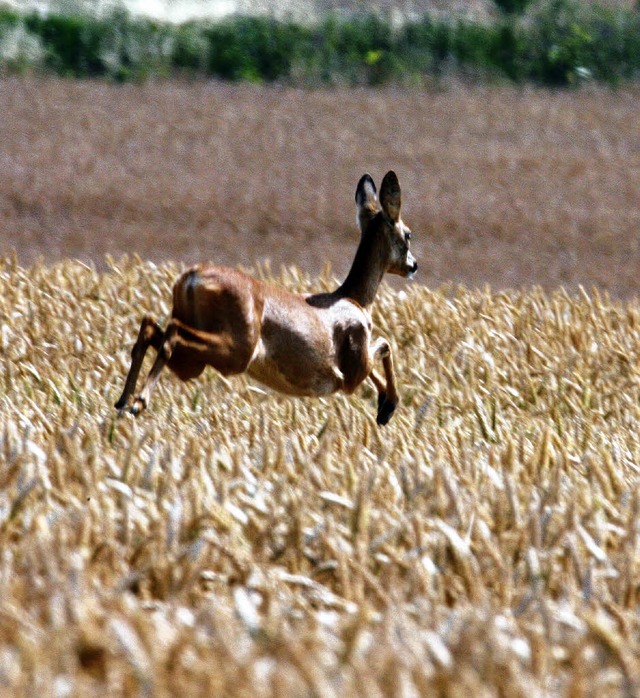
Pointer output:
x,y
164,355
387,393
150,334
187,351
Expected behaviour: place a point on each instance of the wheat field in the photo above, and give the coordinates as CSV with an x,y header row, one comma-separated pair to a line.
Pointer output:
x,y
234,542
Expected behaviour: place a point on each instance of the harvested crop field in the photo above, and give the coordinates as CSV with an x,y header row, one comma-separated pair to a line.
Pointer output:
x,y
503,186
235,542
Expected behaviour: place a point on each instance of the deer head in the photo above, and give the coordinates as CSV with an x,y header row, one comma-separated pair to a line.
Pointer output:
x,y
379,218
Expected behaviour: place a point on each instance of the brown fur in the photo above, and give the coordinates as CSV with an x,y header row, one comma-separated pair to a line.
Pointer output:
x,y
299,345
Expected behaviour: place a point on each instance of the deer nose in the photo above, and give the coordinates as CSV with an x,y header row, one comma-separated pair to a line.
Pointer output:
x,y
414,268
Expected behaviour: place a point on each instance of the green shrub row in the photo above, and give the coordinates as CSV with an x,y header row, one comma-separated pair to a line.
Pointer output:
x,y
559,44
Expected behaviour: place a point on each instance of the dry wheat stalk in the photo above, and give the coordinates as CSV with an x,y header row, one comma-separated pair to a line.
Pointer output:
x,y
237,542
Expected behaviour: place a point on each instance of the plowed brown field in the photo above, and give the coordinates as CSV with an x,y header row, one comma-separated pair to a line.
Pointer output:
x,y
503,186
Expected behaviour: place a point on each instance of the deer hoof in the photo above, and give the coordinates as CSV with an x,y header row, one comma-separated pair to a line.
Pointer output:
x,y
120,406
138,406
386,409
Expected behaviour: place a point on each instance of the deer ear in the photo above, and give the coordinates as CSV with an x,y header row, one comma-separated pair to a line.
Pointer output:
x,y
390,195
366,201
366,190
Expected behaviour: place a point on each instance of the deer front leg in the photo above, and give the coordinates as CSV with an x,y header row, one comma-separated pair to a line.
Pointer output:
x,y
387,394
150,334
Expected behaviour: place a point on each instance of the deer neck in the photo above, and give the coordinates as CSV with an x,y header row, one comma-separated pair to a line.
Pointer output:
x,y
367,270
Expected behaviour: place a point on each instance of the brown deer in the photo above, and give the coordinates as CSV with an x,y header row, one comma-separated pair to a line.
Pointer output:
x,y
305,345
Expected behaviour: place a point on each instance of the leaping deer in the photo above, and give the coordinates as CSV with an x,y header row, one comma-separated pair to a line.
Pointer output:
x,y
304,345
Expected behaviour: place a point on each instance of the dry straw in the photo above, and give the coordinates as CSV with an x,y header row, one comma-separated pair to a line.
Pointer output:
x,y
237,542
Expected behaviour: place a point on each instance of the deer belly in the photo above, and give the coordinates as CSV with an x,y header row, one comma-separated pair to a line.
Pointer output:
x,y
294,375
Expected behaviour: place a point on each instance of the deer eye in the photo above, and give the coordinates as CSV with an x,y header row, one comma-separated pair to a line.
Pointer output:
x,y
408,236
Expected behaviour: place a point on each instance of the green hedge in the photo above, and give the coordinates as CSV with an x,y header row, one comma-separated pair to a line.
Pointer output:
x,y
559,44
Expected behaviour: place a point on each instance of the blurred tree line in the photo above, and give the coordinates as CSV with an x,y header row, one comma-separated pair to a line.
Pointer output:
x,y
558,42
